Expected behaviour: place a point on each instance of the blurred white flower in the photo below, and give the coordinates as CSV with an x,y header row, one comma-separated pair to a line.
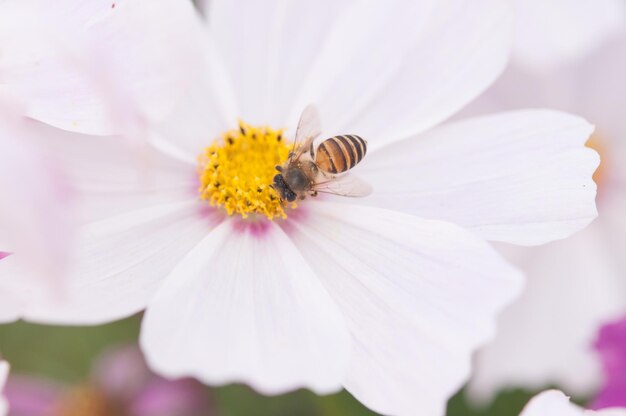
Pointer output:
x,y
555,403
554,32
386,296
35,214
4,372
577,284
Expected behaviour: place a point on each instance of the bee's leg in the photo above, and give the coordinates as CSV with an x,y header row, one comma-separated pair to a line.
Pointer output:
x,y
279,168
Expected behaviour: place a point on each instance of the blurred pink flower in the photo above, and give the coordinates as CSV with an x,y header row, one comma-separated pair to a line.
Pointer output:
x,y
611,348
120,385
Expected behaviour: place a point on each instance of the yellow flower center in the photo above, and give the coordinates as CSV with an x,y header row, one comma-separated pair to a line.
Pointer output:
x,y
236,171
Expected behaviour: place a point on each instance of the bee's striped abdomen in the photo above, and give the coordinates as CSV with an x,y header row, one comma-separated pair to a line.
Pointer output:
x,y
340,153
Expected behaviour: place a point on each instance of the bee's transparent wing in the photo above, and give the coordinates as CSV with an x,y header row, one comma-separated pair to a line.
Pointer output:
x,y
344,185
309,127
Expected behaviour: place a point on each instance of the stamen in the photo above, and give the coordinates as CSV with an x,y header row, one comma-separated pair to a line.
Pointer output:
x,y
236,171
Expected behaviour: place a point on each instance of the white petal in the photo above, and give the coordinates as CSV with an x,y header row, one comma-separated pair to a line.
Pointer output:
x,y
36,202
573,287
550,32
243,306
119,264
268,61
195,123
84,66
359,61
555,403
419,297
463,48
522,177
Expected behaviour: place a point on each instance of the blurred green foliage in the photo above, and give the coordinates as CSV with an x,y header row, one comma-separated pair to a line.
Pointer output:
x,y
67,353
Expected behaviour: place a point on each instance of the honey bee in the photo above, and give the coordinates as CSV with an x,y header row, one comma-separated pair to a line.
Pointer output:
x,y
309,171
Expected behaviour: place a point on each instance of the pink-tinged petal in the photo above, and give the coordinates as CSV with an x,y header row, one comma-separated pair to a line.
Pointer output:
x,y
127,201
553,32
108,179
555,403
525,176
419,297
84,66
243,306
611,348
120,262
36,211
31,396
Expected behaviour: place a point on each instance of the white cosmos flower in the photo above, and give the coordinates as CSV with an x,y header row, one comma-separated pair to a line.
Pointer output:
x,y
386,296
4,372
554,32
574,285
35,212
555,403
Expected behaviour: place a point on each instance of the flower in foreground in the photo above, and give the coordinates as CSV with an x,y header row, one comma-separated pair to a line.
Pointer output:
x,y
577,284
120,384
387,295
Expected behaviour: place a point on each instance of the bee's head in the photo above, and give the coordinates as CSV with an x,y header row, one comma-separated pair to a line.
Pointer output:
x,y
286,194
